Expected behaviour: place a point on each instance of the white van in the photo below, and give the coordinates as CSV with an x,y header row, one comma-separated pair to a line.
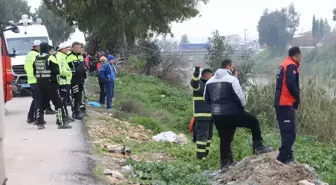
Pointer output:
x,y
18,46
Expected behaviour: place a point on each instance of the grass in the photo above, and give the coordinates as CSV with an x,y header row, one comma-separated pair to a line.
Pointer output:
x,y
146,101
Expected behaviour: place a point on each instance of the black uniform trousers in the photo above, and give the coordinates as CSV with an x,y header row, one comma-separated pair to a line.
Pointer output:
x,y
287,126
32,109
102,94
204,130
64,94
77,92
226,126
50,90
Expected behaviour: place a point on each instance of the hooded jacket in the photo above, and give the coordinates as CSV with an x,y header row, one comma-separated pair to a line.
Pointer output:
x,y
107,72
224,94
45,66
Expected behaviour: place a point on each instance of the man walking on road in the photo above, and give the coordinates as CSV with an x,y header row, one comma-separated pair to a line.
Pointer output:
x,y
227,99
202,112
107,73
286,102
28,66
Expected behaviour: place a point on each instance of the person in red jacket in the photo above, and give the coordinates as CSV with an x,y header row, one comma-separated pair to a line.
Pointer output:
x,y
286,102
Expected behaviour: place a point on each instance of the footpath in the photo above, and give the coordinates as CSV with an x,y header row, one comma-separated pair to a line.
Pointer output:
x,y
44,157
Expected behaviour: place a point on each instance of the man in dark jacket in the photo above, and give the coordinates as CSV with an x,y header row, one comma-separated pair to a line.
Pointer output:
x,y
77,66
227,99
286,101
46,71
202,112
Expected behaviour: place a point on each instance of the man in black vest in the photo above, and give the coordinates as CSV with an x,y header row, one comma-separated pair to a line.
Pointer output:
x,y
46,71
202,112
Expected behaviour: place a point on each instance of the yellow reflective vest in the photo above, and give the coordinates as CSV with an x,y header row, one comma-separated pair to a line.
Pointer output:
x,y
65,71
28,66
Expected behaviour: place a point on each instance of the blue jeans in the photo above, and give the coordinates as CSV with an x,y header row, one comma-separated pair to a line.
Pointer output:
x,y
109,87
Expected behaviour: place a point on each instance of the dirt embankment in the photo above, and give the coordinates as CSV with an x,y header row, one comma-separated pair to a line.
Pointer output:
x,y
266,170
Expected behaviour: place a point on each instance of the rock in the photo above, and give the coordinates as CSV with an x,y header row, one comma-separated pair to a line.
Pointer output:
x,y
126,169
181,139
126,151
107,172
309,168
114,148
305,182
139,136
231,183
317,182
140,127
118,149
113,180
149,131
117,175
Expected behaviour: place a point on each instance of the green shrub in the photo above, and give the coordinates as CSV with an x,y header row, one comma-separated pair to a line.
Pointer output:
x,y
315,116
130,106
167,173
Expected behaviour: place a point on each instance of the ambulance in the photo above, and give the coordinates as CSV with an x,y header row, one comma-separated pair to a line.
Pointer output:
x,y
18,46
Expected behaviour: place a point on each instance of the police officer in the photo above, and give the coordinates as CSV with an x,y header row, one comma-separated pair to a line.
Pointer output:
x,y
28,66
286,102
77,66
82,105
46,71
47,106
202,112
64,80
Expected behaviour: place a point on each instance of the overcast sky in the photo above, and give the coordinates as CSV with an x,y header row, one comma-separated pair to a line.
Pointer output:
x,y
232,17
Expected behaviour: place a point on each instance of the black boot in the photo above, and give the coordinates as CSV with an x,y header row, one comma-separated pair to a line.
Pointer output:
x,y
30,120
49,111
259,148
225,164
68,119
40,125
65,126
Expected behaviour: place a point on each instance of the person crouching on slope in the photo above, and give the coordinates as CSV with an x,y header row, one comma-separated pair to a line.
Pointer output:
x,y
107,73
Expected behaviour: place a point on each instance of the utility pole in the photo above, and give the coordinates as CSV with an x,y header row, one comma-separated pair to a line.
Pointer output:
x,y
245,43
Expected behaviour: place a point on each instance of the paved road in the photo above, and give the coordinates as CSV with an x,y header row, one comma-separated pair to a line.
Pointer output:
x,y
44,157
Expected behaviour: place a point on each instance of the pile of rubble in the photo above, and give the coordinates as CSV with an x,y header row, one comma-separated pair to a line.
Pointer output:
x,y
266,170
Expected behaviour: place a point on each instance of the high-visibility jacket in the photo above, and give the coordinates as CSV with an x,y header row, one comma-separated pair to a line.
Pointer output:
x,y
28,66
202,110
65,71
287,93
77,66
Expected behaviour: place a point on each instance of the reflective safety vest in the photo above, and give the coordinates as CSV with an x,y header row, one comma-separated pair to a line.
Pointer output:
x,y
28,66
65,71
201,109
76,63
42,69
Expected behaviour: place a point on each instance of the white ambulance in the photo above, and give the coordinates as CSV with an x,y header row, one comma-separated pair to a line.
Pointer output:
x,y
18,46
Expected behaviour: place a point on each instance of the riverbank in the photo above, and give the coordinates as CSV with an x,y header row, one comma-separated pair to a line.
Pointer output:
x,y
145,101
